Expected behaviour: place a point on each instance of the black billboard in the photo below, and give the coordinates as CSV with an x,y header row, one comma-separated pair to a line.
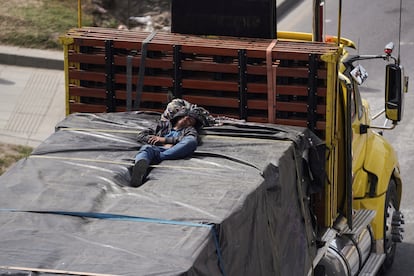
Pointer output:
x,y
240,18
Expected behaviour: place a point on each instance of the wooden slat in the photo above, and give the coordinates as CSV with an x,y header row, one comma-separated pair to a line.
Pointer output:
x,y
87,58
159,81
145,97
209,67
210,85
298,90
80,107
89,42
257,104
298,107
302,123
257,88
292,72
209,50
256,69
162,63
291,56
292,90
87,75
87,92
212,101
257,119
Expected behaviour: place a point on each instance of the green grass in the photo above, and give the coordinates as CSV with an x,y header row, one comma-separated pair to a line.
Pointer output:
x,y
11,155
39,24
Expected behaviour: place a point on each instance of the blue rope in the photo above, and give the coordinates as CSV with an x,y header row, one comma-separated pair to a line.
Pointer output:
x,y
109,216
219,257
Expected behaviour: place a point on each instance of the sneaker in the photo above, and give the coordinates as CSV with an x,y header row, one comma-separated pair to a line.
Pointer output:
x,y
138,172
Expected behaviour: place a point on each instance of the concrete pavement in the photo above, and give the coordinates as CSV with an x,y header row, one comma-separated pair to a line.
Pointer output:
x,y
32,94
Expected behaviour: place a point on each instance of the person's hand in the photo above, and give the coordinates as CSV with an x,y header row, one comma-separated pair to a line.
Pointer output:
x,y
156,140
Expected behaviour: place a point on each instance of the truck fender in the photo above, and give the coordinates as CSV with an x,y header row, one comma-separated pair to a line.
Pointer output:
x,y
381,160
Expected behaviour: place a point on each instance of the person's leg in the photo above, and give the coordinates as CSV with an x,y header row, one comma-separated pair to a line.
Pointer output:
x,y
139,171
150,153
147,155
180,150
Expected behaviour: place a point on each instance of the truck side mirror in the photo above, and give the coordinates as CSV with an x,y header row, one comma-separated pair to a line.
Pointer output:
x,y
394,96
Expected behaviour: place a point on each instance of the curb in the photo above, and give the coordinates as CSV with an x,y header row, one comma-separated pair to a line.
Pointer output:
x,y
26,57
37,62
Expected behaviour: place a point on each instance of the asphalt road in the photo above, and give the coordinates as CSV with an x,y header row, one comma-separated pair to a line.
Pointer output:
x,y
372,26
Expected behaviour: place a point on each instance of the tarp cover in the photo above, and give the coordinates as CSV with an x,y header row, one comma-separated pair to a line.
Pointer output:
x,y
233,208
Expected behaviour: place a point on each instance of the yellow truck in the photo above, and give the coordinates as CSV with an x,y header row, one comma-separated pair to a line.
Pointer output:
x,y
292,178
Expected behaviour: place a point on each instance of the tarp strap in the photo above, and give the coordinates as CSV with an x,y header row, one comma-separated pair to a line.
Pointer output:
x,y
141,71
110,216
228,157
271,85
218,249
301,198
52,271
129,82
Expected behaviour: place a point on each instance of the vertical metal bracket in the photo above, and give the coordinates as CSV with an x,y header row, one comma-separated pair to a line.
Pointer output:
x,y
141,72
177,74
109,76
312,91
242,84
129,83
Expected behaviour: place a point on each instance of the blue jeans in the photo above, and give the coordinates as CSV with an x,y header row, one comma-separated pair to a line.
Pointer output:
x,y
156,154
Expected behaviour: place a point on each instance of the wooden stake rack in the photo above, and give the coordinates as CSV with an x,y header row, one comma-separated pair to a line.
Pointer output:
x,y
260,80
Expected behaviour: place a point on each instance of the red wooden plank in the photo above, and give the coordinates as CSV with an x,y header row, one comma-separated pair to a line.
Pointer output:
x,y
163,63
211,51
302,123
87,58
298,107
79,107
256,69
210,85
158,81
298,72
257,104
298,90
145,97
257,88
87,92
86,75
209,67
212,101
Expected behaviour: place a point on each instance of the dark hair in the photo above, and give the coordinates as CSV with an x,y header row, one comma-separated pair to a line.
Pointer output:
x,y
193,113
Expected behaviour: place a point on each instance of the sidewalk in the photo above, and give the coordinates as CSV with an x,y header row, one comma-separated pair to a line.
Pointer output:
x,y
32,94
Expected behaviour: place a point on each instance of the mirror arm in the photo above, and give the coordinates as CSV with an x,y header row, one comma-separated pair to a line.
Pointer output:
x,y
385,127
352,59
378,114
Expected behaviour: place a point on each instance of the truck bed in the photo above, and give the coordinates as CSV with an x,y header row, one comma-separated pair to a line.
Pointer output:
x,y
233,208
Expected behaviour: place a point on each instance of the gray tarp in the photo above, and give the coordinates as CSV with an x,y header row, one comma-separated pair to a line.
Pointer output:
x,y
234,205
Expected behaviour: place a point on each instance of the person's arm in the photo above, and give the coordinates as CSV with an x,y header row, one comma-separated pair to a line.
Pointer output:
x,y
157,140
